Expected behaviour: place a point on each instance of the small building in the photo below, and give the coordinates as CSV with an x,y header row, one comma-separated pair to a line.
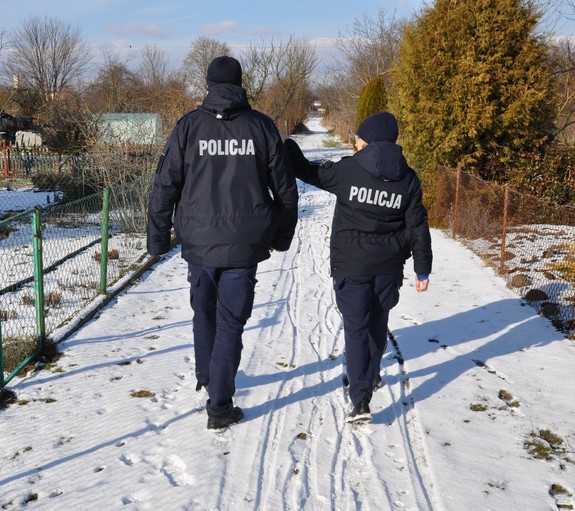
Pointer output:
x,y
130,128
10,124
28,139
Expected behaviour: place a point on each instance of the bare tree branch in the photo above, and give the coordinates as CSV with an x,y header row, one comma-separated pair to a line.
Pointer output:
x,y
196,62
47,56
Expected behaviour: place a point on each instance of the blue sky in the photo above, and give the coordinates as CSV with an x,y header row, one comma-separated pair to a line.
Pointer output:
x,y
174,24
126,26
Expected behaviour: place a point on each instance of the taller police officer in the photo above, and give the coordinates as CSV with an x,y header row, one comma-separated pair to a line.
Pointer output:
x,y
379,222
226,182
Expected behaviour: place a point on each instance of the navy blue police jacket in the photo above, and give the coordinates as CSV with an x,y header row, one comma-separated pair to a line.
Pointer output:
x,y
225,184
379,219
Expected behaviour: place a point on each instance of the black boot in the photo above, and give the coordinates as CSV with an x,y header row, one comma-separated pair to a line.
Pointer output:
x,y
360,413
225,420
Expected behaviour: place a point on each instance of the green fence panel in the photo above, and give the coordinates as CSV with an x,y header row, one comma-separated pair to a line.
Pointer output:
x,y
18,320
105,234
39,278
55,261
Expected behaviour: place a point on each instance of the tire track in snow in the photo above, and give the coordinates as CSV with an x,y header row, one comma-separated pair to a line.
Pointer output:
x,y
366,467
272,479
332,465
266,474
331,447
305,488
423,487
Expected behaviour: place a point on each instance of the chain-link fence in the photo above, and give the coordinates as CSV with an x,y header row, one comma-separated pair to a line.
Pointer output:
x,y
55,260
530,242
18,322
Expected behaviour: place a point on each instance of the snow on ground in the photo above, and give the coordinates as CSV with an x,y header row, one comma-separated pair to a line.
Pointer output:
x,y
22,199
474,382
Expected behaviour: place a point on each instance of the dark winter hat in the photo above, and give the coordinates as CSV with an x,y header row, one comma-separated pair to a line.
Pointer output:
x,y
224,70
380,127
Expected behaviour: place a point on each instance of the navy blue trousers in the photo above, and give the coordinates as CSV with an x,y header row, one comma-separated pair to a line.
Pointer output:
x,y
222,300
364,303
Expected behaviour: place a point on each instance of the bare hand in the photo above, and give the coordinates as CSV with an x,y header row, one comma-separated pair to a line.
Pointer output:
x,y
421,285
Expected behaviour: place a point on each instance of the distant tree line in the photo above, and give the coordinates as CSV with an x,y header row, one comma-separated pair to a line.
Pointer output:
x,y
476,84
44,66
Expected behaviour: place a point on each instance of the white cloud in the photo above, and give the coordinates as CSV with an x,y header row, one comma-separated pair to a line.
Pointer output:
x,y
218,28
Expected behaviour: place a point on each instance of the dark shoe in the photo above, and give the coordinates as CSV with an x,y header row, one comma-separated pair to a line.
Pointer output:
x,y
360,412
225,420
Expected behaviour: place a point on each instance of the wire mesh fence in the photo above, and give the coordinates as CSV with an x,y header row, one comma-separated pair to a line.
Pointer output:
x,y
56,259
18,332
530,242
86,246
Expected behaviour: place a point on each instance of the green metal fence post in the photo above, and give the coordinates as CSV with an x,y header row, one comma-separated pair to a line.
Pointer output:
x,y
39,277
2,383
105,229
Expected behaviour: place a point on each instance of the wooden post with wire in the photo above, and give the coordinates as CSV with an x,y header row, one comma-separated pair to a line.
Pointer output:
x,y
504,231
456,204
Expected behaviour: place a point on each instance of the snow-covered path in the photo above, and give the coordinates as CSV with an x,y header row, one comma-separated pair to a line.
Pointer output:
x,y
116,423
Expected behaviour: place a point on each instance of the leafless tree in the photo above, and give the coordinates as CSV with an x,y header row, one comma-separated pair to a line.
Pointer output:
x,y
46,56
368,48
154,65
276,77
163,91
196,62
371,45
338,94
9,92
3,41
114,89
562,59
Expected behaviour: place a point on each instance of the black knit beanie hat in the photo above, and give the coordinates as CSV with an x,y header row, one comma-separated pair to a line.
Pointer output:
x,y
380,127
224,70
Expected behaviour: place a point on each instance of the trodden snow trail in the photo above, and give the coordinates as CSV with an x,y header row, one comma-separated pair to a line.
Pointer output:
x,y
289,386
140,435
307,457
116,422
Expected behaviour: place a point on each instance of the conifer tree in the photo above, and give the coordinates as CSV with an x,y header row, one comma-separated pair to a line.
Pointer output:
x,y
373,99
473,85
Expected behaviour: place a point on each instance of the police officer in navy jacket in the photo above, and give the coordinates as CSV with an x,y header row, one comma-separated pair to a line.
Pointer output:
x,y
379,222
225,184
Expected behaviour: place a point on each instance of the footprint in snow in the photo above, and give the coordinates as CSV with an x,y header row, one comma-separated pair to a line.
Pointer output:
x,y
167,397
222,437
174,469
155,425
139,498
129,459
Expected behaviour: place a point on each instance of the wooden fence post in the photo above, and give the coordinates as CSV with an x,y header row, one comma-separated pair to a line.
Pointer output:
x,y
456,204
504,230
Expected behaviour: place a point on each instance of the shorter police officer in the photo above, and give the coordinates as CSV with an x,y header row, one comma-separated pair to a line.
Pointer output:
x,y
225,182
379,222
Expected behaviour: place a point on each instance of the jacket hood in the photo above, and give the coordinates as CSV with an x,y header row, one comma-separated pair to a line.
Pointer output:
x,y
225,101
383,160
